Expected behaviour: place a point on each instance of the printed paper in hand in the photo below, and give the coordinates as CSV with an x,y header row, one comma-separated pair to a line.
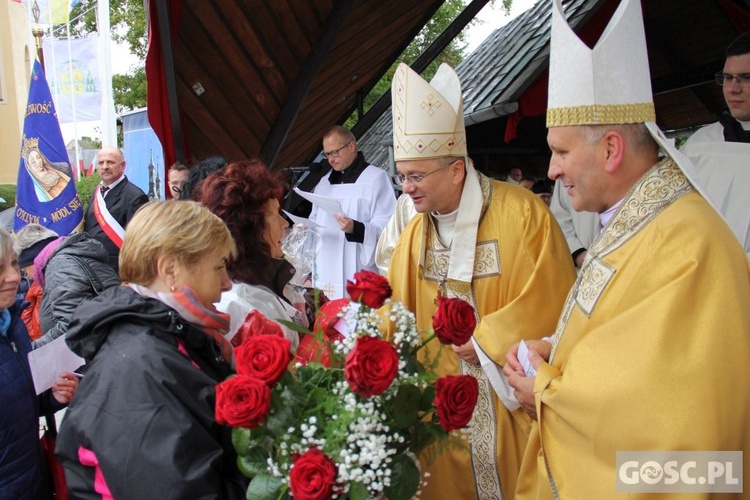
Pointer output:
x,y
49,361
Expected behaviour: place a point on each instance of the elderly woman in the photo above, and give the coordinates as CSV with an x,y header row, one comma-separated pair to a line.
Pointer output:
x,y
30,241
246,196
67,270
142,424
21,460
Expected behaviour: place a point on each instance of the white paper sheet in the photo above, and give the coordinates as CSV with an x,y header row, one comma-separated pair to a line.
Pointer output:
x,y
48,361
302,220
523,358
327,203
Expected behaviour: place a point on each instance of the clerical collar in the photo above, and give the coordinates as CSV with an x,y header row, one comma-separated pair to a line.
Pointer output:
x,y
351,174
745,125
445,225
607,215
122,178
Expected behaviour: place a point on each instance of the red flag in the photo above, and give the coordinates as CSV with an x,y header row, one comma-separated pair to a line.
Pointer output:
x,y
90,170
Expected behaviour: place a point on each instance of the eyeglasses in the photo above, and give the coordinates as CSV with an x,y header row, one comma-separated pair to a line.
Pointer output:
x,y
726,79
335,152
176,189
415,179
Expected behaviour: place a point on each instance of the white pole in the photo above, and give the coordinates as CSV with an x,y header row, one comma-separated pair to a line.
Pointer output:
x,y
73,102
109,126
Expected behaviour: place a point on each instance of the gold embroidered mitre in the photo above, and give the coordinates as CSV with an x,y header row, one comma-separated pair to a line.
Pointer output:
x,y
428,118
609,84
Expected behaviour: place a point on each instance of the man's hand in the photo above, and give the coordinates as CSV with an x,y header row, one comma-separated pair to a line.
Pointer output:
x,y
65,388
467,353
512,365
524,386
345,223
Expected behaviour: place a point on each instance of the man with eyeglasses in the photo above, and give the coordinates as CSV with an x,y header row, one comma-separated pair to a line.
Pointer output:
x,y
721,151
490,243
365,193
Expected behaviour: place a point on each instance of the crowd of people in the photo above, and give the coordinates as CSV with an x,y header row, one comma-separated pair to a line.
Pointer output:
x,y
612,301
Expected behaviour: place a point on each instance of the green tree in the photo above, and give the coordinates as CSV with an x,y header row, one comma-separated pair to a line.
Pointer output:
x,y
452,54
129,90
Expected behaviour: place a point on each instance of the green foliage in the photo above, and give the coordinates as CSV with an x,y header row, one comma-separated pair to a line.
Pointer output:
x,y
127,19
265,487
86,186
405,477
8,193
129,90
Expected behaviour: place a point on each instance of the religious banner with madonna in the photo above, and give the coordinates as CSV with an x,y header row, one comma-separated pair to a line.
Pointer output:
x,y
46,190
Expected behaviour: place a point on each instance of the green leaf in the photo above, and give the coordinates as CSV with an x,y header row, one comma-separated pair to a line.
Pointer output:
x,y
293,326
428,396
264,487
406,406
357,491
404,478
241,440
278,422
254,462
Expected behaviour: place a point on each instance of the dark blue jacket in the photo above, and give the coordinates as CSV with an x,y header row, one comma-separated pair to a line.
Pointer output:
x,y
21,459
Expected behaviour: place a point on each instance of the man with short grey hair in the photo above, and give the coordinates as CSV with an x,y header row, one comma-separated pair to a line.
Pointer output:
x,y
113,203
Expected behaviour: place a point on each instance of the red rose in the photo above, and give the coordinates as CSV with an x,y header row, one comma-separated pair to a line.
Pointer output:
x,y
371,366
455,398
369,288
256,324
242,401
313,476
264,357
454,321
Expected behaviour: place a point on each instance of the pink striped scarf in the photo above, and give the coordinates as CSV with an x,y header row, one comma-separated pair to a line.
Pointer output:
x,y
213,323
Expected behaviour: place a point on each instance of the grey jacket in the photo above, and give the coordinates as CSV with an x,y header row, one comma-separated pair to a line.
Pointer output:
x,y
68,282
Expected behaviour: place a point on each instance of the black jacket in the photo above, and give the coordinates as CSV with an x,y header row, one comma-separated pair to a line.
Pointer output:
x,y
67,283
22,467
143,407
122,201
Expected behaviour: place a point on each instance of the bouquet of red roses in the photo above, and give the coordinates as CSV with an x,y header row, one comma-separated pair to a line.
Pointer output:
x,y
351,425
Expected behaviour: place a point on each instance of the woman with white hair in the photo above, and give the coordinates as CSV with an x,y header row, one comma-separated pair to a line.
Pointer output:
x,y
21,461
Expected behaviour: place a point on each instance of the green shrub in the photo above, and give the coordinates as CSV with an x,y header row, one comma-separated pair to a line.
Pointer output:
x,y
8,193
86,187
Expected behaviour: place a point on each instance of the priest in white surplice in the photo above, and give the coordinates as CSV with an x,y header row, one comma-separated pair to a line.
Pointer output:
x,y
721,151
365,192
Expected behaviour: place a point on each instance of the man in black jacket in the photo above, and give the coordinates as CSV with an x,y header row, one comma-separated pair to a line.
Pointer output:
x,y
113,203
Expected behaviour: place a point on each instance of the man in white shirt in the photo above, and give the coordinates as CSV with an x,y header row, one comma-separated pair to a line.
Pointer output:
x,y
721,151
365,192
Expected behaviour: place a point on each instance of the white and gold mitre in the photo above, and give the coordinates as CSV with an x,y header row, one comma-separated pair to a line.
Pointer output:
x,y
609,84
428,118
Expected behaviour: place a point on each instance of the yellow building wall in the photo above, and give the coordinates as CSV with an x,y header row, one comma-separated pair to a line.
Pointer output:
x,y
16,53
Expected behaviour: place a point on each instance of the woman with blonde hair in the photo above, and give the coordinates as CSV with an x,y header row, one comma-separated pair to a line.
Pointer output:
x,y
142,424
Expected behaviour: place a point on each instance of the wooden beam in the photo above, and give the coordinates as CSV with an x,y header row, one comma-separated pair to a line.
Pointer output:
x,y
290,109
167,54
424,60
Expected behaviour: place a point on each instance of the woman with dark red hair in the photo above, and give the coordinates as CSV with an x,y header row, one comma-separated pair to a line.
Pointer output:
x,y
245,195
